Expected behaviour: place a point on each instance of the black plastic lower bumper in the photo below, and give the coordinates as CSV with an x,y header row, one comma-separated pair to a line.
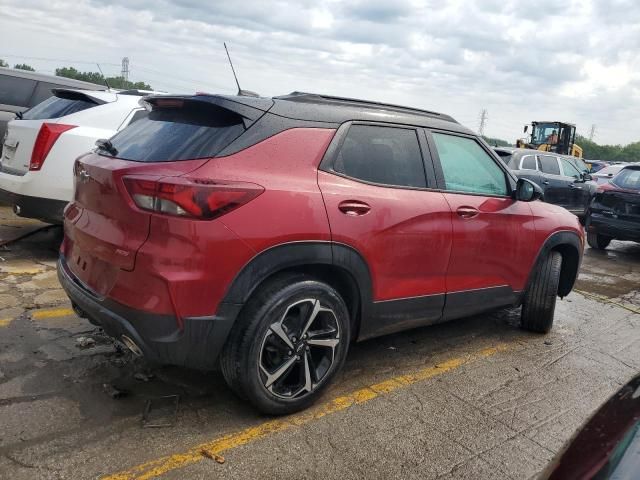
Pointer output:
x,y
197,345
45,209
614,227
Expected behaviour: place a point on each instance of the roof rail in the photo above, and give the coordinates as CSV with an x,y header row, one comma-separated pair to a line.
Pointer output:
x,y
328,99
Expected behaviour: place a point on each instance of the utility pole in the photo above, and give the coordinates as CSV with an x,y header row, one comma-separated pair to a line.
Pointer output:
x,y
125,69
484,116
592,133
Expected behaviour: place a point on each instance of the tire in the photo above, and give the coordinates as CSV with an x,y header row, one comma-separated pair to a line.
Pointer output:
x,y
265,360
539,302
597,241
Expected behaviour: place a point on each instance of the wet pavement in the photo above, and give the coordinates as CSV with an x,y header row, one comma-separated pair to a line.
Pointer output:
x,y
476,398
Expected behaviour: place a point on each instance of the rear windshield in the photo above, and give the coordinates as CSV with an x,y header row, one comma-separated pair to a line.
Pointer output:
x,y
179,130
628,178
57,106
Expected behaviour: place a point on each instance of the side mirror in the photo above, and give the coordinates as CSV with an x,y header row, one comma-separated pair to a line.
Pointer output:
x,y
527,191
524,130
587,177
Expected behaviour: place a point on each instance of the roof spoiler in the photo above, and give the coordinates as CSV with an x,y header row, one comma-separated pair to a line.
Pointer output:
x,y
249,108
72,94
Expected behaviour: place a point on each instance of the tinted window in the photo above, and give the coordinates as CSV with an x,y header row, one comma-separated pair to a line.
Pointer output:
x,y
178,131
549,164
15,90
386,155
55,107
529,162
467,167
628,178
569,169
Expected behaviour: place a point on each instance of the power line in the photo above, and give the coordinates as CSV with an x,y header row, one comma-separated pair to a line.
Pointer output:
x,y
57,60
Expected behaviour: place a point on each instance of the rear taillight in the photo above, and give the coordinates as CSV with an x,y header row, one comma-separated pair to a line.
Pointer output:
x,y
187,197
47,136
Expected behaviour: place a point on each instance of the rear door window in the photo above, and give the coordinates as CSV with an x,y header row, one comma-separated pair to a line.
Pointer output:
x,y
467,167
16,90
384,155
177,130
56,107
529,162
549,164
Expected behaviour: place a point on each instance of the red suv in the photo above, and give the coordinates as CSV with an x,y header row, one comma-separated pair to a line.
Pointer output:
x,y
267,234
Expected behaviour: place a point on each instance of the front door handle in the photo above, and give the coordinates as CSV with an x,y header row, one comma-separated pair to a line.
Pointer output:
x,y
467,212
546,182
354,208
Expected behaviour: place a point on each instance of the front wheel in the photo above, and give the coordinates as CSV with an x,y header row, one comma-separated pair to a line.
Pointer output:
x,y
538,307
289,342
597,241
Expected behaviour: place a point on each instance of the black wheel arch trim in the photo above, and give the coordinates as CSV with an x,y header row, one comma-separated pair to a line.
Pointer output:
x,y
568,243
305,254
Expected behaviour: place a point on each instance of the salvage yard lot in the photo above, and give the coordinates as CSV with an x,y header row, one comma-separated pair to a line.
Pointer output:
x,y
476,398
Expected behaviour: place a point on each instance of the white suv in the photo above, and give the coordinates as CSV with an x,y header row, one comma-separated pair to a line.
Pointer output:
x,y
39,148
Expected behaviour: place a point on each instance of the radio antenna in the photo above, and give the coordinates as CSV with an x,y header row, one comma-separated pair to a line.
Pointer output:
x,y
232,69
241,93
103,77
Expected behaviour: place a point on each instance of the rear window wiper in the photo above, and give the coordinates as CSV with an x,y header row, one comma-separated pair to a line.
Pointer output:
x,y
107,146
19,115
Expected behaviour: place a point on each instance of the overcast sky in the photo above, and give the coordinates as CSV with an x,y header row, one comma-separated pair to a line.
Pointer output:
x,y
576,61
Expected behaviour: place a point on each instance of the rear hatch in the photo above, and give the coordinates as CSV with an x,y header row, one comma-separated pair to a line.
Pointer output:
x,y
622,199
109,219
23,133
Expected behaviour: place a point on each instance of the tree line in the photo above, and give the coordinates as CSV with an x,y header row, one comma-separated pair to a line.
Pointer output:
x,y
92,77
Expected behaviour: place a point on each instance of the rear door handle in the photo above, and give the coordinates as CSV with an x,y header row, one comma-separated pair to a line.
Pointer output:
x,y
546,182
467,212
354,208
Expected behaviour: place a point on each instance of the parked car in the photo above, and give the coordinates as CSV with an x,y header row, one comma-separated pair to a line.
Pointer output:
x,y
269,233
36,162
596,165
564,180
614,213
608,445
22,89
607,173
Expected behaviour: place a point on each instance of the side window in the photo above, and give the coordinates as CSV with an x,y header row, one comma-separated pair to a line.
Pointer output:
x,y
386,155
15,90
568,168
528,162
467,167
549,164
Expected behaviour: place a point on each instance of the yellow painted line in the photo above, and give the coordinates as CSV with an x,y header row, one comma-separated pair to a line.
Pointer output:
x,y
52,313
5,321
23,271
160,466
608,300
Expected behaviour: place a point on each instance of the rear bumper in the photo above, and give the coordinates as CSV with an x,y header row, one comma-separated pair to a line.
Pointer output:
x,y
614,227
45,209
197,345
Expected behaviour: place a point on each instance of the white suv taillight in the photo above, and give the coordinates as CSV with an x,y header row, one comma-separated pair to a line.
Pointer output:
x,y
47,136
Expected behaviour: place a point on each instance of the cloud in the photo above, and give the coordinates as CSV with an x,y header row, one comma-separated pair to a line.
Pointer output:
x,y
577,61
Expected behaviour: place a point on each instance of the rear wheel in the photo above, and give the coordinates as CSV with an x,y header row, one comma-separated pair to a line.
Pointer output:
x,y
288,343
539,303
597,241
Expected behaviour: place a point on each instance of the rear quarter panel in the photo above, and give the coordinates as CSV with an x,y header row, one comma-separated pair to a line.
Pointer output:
x,y
291,207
